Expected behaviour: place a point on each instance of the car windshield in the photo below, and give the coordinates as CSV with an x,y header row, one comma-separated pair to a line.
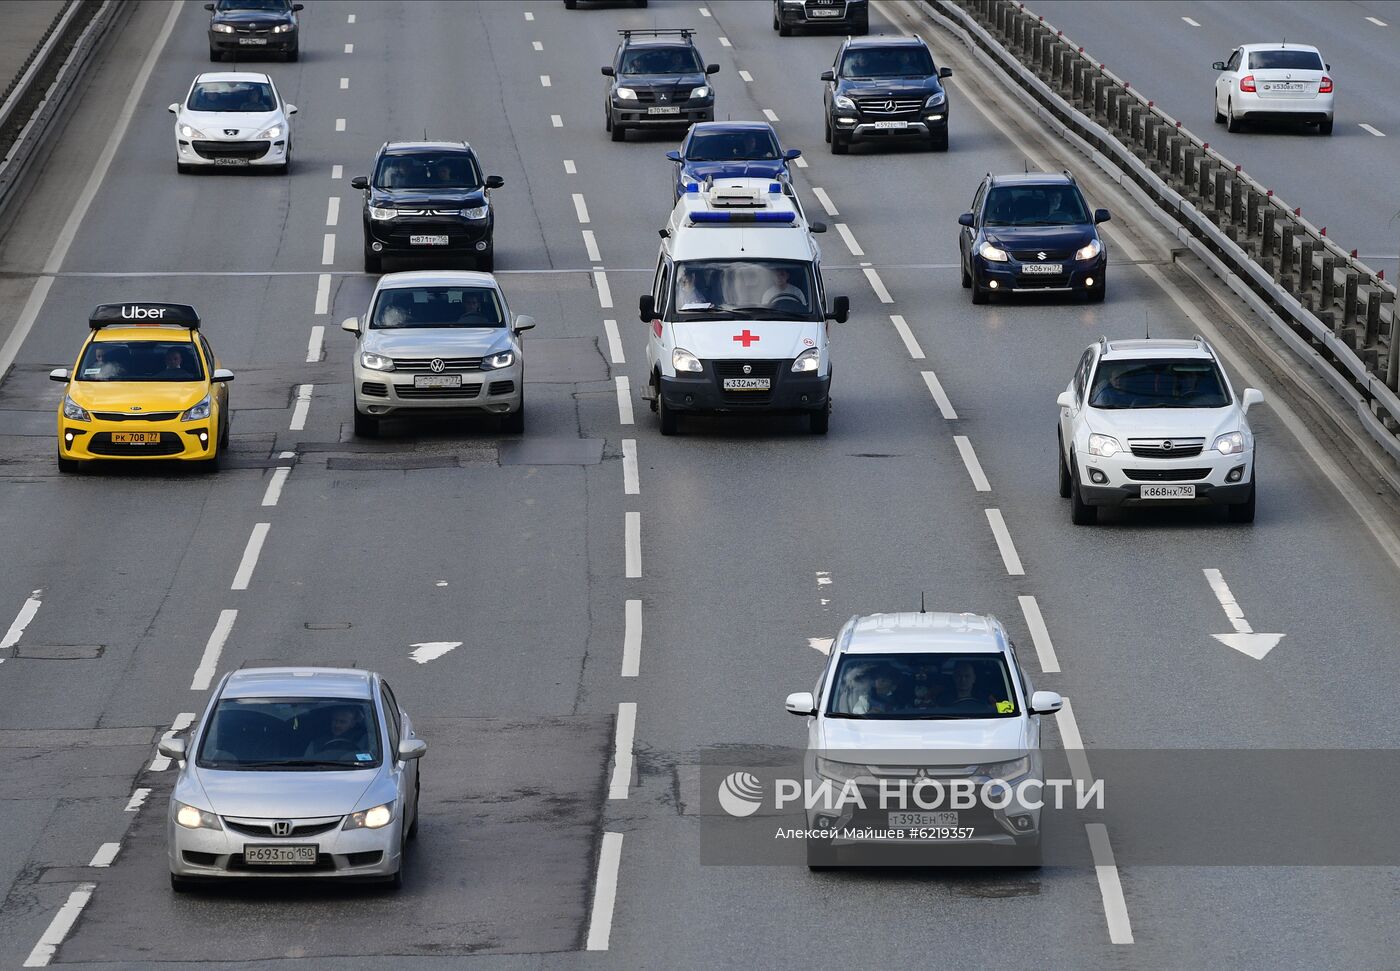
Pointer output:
x,y
140,361
1034,205
661,60
721,146
402,308
753,289
445,170
1158,384
887,62
291,734
909,686
276,5
1285,60
232,96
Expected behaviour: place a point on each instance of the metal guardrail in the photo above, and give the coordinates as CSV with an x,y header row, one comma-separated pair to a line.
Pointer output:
x,y
1340,312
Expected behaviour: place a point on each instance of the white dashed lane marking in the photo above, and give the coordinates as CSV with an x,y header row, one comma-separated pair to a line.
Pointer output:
x,y
349,48
340,124
632,528
344,84
328,249
556,121
622,755
209,661
590,244
770,114
275,484
332,211
105,854
724,42
1040,635
251,552
974,467
825,200
529,15
22,620
313,344
876,283
1002,535
350,19
605,892
844,232
801,162
137,800
580,208
64,920
945,407
182,721
569,167
536,45
337,171
1378,22
1073,744
1373,131
746,77
604,291
907,335
624,400
302,406
544,81
1190,21
614,342
632,639
704,12
323,293
1115,908
631,484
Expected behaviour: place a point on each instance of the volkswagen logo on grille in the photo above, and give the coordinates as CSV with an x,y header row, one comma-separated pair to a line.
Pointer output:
x,y
436,365
748,369
281,827
1040,255
230,132
1167,446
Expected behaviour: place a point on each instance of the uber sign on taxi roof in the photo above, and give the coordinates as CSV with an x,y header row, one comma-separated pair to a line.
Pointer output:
x,y
136,314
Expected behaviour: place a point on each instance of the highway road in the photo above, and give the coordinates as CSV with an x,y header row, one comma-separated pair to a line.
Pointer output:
x,y
545,842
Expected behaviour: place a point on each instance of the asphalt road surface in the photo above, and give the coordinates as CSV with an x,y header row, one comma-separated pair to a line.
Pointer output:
x,y
543,842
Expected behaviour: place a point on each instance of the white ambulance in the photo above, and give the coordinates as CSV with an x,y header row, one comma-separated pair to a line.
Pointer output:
x,y
737,310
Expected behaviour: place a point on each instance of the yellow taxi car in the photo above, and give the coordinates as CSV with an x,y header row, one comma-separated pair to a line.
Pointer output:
x,y
146,386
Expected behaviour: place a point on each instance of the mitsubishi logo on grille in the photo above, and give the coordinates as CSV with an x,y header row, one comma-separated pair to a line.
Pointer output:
x,y
661,96
436,365
230,132
1167,446
1040,255
281,827
748,369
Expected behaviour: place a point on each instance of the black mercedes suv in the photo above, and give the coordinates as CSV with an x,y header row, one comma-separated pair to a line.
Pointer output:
x,y
256,27
885,87
657,81
428,199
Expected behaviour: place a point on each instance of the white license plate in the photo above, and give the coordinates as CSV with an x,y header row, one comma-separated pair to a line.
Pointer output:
x,y
747,384
269,855
1168,492
824,13
437,380
891,124
231,161
664,110
923,819
1286,86
1047,269
252,41
427,241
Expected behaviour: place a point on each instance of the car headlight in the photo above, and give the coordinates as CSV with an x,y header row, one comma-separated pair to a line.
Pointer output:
x,y
274,132
282,28
1231,443
381,214
221,28
476,212
376,362
192,818
1089,250
701,92
808,360
198,411
683,360
841,771
497,361
187,132
376,818
936,100
1006,771
844,103
74,411
626,94
993,253
1104,445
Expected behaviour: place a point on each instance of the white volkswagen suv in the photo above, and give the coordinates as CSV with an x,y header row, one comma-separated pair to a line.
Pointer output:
x,y
1155,422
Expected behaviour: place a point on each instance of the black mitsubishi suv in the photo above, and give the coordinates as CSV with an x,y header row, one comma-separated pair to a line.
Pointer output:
x,y
885,87
658,81
848,16
428,199
255,27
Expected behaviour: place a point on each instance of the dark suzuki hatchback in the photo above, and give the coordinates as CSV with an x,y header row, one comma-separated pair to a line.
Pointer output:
x,y
428,199
254,27
885,87
1032,233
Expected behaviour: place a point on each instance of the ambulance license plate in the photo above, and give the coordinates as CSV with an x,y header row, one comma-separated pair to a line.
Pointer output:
x,y
437,380
1168,492
427,241
135,438
664,110
748,384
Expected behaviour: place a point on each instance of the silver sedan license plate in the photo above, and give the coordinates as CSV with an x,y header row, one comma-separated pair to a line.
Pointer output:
x,y
1048,269
664,110
266,854
252,41
1168,492
747,384
427,241
437,380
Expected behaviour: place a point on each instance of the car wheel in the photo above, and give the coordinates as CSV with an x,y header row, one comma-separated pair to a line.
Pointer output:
x,y
212,463
839,145
1324,127
366,426
618,133
1219,115
980,295
69,466
862,26
639,3
819,421
570,4
183,169
1243,512
215,55
826,126
395,882
1026,854
1098,291
1231,122
1064,469
417,803
513,422
223,436
821,855
966,277
293,54
667,417
180,884
939,141
374,263
1080,512
486,260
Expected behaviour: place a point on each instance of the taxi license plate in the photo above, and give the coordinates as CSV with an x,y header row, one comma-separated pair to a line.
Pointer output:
x,y
1168,492
135,438
252,41
664,110
234,161
923,819
891,124
437,380
427,241
1046,269
265,854
747,384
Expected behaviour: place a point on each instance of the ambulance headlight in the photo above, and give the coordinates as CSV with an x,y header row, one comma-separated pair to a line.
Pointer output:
x,y
808,361
683,360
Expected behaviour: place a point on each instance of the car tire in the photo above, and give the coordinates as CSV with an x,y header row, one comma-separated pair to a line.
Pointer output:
x,y
1098,291
980,295
1065,481
293,54
224,434
366,426
819,421
1243,512
839,145
215,56
417,803
513,422
966,277
1324,127
821,856
374,263
183,169
939,141
1026,854
570,4
212,463
669,421
1232,123
618,133
639,3
69,466
1080,512
179,884
486,260
861,26
826,132
395,883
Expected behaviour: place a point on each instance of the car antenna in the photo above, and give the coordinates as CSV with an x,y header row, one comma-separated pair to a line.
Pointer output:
x,y
1025,166
1146,324
922,609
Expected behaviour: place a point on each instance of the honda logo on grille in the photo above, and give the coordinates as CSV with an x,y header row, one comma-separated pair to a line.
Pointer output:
x,y
436,365
281,827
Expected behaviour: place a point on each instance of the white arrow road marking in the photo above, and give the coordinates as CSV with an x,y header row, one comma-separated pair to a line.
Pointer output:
x,y
822,644
1244,639
431,650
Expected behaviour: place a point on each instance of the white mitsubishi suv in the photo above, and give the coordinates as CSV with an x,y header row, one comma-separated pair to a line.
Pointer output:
x,y
1155,422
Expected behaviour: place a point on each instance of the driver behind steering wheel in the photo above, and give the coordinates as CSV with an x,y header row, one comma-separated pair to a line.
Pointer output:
x,y
346,734
783,289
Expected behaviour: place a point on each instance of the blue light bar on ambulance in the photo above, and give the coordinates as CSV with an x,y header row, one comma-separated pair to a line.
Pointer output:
x,y
743,217
143,314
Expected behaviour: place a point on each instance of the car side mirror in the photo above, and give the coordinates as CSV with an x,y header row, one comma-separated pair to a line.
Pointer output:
x,y
173,109
966,220
711,68
840,309
1046,702
359,182
646,308
828,76
1250,398
223,374
291,109
816,226
298,6
352,324
674,155
1218,66
1327,67
791,154
58,374
608,72
801,703
1102,215
172,748
524,322
416,748
945,72
209,7
1065,400
494,182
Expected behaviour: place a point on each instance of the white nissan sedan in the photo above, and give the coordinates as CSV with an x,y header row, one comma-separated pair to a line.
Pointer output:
x,y
1274,82
233,120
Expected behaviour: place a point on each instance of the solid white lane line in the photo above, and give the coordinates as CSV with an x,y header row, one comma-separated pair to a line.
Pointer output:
x,y
580,208
569,167
313,344
67,915
1190,21
59,251
622,755
590,244
826,202
945,406
801,162
105,854
302,406
877,285
250,556
974,467
536,45
849,240
328,249
600,279
349,48
275,484
344,83
631,485
746,77
624,400
724,42
605,892
333,211
1004,544
632,639
22,619
182,721
633,541
529,15
323,293
1073,744
614,342
337,171
209,662
556,121
340,124
1373,131
137,800
1115,908
770,114
544,80
704,12
907,335
1378,22
1040,635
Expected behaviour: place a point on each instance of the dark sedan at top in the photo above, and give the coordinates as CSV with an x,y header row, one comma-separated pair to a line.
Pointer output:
x,y
729,149
255,27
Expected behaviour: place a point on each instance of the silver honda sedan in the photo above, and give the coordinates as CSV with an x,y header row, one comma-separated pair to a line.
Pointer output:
x,y
295,772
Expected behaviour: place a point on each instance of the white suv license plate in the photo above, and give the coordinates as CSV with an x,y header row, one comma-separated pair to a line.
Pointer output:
x,y
891,124
1048,269
920,820
665,110
437,380
265,854
748,384
235,162
427,241
1168,492
823,13
252,41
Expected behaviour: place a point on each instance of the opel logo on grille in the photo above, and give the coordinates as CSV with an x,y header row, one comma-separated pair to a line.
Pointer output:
x,y
281,827
748,369
1167,446
436,365
1040,255
230,132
